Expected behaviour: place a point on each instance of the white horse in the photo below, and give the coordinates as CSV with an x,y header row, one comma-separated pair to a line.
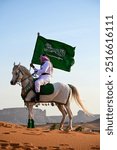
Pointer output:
x,y
61,96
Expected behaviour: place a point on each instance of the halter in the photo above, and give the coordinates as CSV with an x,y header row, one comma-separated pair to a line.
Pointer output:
x,y
21,80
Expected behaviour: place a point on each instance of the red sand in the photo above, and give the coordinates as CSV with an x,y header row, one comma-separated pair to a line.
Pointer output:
x,y
17,137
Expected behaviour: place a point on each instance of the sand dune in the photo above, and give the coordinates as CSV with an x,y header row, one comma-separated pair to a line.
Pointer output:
x,y
18,137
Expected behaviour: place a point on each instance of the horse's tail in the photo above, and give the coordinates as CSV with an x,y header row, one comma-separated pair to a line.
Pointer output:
x,y
76,97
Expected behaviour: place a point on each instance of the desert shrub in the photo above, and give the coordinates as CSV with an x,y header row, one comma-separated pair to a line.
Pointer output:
x,y
54,126
79,128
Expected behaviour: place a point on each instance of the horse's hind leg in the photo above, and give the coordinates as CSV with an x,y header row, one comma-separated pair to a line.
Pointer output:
x,y
64,113
70,116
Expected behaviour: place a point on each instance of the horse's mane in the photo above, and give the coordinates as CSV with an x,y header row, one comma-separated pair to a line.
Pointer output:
x,y
23,69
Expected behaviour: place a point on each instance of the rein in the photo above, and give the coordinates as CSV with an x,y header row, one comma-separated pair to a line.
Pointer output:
x,y
24,78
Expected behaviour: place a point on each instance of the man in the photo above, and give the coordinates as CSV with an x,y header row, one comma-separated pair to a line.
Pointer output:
x,y
44,74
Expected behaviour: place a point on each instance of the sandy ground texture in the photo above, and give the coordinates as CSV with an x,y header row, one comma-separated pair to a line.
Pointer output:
x,y
19,137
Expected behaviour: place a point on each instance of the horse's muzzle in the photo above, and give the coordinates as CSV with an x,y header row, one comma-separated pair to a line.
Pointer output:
x,y
12,83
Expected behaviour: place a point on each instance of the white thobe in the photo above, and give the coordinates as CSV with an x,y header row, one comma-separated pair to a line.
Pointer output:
x,y
44,73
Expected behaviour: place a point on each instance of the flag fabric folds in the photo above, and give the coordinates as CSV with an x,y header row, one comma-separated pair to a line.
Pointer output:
x,y
60,54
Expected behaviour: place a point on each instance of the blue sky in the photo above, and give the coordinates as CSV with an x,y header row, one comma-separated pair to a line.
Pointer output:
x,y
73,22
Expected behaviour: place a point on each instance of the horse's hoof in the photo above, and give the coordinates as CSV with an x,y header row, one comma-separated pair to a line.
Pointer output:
x,y
61,129
70,129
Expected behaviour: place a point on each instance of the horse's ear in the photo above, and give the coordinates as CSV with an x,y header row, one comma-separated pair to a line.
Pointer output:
x,y
14,64
19,65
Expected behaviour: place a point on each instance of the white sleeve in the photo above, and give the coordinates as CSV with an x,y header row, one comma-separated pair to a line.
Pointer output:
x,y
43,68
35,69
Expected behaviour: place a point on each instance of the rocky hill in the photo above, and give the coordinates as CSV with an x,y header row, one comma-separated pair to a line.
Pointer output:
x,y
20,116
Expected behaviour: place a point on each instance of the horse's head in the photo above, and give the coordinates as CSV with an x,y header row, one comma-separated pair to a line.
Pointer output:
x,y
17,74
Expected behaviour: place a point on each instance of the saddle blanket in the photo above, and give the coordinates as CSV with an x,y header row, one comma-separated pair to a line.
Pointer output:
x,y
46,89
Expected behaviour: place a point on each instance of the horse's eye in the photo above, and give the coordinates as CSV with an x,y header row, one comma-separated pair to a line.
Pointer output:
x,y
16,73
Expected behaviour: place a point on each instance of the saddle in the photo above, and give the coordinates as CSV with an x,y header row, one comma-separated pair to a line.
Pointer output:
x,y
45,89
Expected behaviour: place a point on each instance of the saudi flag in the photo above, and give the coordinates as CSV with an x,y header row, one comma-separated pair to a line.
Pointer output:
x,y
60,54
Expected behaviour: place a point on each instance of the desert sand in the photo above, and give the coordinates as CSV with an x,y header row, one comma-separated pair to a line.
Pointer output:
x,y
19,137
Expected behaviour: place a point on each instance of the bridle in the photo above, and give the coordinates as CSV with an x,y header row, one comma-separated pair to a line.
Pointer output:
x,y
20,79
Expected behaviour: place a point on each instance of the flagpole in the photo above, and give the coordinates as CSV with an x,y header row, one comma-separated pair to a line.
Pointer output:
x,y
38,34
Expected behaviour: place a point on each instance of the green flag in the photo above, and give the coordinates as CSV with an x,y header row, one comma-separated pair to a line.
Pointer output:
x,y
60,54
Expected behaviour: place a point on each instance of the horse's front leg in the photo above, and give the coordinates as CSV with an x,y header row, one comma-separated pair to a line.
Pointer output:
x,y
30,115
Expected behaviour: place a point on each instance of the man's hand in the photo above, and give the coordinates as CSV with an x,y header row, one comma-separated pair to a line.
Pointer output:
x,y
31,65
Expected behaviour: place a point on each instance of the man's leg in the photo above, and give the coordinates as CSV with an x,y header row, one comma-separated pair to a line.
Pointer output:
x,y
38,83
